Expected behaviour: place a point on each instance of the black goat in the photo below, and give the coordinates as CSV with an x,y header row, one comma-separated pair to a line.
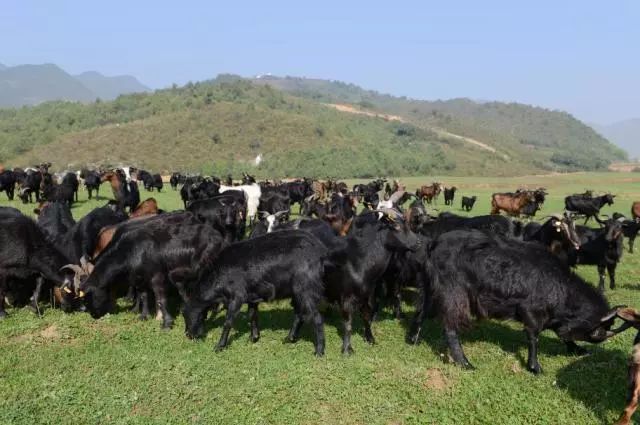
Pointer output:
x,y
600,247
449,195
91,182
468,202
472,273
167,248
558,234
225,213
495,224
363,257
280,265
8,183
27,257
586,205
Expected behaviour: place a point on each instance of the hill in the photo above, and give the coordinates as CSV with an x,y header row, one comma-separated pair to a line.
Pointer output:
x,y
554,140
108,88
33,84
339,130
625,134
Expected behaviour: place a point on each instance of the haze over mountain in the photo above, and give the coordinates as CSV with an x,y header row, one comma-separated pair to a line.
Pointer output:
x,y
625,134
33,84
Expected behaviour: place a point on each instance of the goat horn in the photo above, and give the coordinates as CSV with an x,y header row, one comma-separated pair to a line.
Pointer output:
x,y
280,213
613,313
73,267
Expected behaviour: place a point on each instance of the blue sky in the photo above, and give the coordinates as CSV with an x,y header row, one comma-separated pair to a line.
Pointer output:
x,y
579,56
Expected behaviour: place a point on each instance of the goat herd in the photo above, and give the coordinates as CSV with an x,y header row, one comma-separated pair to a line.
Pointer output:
x,y
235,244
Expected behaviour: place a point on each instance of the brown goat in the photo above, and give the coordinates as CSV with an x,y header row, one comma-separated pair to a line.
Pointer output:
x,y
635,210
511,203
632,318
429,193
147,207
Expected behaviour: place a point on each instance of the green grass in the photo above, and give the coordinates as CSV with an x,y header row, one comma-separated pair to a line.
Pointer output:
x,y
69,368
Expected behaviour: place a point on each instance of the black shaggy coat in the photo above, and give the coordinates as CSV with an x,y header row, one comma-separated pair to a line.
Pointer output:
x,y
472,274
280,265
26,256
148,255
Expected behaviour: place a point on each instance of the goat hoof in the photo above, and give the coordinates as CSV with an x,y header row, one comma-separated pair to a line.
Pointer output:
x,y
3,315
347,351
319,353
143,317
467,365
167,326
219,348
289,340
536,370
254,338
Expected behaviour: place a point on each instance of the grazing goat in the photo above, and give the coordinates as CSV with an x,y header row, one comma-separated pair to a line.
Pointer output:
x,y
167,248
26,256
471,273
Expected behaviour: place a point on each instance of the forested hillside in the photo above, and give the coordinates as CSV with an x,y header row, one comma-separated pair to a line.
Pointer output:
x,y
222,125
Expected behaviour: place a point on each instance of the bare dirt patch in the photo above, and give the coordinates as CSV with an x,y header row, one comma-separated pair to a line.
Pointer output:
x,y
436,380
50,333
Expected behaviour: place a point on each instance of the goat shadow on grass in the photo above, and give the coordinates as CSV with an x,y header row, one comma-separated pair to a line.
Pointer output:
x,y
598,381
281,319
510,340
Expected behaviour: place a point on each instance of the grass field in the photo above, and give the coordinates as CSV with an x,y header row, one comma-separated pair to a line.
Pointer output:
x,y
69,368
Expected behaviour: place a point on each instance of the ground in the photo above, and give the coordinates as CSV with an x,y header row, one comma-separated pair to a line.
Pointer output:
x,y
70,368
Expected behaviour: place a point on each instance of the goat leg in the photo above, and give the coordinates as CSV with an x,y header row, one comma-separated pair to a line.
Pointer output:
x,y
633,392
36,294
144,302
367,317
456,349
601,269
294,332
346,337
532,361
158,284
253,318
416,324
233,307
611,268
318,324
3,282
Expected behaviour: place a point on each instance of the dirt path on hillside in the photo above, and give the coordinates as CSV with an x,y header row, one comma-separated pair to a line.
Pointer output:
x,y
441,132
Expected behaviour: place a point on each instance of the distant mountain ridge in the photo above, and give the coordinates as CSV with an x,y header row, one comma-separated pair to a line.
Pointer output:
x,y
625,134
28,85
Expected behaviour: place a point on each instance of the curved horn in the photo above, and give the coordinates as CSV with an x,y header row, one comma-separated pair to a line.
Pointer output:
x,y
73,267
613,313
263,214
281,213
